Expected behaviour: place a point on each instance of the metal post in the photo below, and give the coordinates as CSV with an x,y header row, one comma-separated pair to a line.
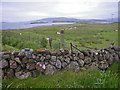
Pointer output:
x,y
62,39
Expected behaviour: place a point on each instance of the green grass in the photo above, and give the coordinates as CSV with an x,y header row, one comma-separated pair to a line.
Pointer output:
x,y
69,79
92,35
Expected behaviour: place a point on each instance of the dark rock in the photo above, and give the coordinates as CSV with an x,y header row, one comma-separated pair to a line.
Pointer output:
x,y
85,52
13,64
58,64
66,52
18,69
35,73
10,73
24,60
31,60
40,66
50,70
30,66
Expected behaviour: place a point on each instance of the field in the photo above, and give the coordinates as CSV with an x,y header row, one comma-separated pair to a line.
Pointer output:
x,y
83,34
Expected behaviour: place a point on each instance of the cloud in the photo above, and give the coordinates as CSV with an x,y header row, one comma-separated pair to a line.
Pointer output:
x,y
25,11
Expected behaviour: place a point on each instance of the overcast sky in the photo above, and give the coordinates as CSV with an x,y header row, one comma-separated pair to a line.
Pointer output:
x,y
26,10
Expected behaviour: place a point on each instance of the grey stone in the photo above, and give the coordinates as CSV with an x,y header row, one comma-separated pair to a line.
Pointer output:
x,y
83,68
13,64
50,70
87,66
87,60
100,57
93,66
46,62
53,58
103,65
67,60
33,56
48,57
116,58
4,63
22,75
30,66
64,64
53,53
107,55
42,58
58,64
28,55
52,62
7,57
74,66
18,60
75,58
81,63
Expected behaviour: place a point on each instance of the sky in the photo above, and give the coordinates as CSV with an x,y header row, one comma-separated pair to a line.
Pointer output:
x,y
26,10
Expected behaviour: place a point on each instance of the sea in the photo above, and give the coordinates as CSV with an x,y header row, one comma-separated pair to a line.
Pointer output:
x,y
23,25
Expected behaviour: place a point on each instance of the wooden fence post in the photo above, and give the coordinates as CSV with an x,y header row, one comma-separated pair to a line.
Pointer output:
x,y
62,39
50,42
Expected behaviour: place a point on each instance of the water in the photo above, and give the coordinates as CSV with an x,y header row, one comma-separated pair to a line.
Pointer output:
x,y
23,25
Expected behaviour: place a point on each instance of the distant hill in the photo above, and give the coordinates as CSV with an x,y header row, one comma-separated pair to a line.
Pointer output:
x,y
64,19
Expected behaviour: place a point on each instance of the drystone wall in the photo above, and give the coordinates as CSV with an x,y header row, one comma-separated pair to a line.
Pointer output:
x,y
31,64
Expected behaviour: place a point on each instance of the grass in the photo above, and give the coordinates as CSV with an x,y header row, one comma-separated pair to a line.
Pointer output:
x,y
69,79
91,35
